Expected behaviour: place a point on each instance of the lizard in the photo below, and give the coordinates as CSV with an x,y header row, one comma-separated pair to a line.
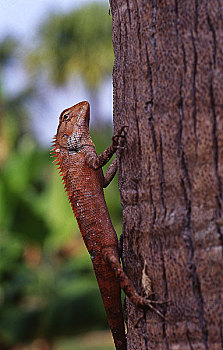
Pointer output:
x,y
81,171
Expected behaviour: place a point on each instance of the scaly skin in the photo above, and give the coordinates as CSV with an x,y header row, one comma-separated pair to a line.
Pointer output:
x,y
80,167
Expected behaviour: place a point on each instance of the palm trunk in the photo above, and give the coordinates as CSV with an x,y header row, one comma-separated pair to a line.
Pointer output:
x,y
168,88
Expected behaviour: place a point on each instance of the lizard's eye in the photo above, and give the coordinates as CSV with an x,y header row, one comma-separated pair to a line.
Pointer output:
x,y
66,116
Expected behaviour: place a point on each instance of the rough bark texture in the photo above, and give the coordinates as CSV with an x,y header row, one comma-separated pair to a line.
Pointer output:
x,y
168,88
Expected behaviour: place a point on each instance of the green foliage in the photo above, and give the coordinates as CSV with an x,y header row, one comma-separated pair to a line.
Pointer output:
x,y
7,48
92,341
78,42
47,287
54,294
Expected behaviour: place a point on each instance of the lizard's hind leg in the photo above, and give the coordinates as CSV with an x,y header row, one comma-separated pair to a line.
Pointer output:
x,y
125,284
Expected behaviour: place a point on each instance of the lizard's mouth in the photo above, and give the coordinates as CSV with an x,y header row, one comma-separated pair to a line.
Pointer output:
x,y
81,113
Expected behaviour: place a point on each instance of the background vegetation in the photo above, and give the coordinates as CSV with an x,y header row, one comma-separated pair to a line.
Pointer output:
x,y
49,298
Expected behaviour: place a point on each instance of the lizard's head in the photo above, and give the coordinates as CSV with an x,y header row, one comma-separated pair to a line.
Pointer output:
x,y
72,131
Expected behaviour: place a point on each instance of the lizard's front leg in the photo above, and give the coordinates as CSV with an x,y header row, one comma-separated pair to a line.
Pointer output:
x,y
96,162
110,173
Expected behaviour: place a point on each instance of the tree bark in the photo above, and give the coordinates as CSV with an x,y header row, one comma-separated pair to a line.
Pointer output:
x,y
168,88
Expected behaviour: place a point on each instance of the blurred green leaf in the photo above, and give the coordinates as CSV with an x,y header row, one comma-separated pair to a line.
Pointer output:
x,y
7,49
100,340
47,285
79,42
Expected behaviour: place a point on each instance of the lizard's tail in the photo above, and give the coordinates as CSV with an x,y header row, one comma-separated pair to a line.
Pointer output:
x,y
111,296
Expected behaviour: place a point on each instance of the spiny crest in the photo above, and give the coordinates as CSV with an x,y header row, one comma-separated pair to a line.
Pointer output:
x,y
53,152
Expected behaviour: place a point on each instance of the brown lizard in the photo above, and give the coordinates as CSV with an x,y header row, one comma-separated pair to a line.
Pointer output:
x,y
80,168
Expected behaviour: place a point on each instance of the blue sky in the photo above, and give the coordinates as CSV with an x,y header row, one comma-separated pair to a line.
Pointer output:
x,y
22,18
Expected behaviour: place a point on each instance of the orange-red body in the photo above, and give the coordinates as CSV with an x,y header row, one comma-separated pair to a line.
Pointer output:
x,y
84,186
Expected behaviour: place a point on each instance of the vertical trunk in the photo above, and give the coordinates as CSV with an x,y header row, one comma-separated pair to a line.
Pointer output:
x,y
168,88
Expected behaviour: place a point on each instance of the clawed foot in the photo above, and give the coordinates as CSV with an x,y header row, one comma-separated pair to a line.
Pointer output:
x,y
158,302
119,139
151,307
148,303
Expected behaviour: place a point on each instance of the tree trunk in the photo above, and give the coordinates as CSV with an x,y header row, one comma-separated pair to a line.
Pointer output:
x,y
168,88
